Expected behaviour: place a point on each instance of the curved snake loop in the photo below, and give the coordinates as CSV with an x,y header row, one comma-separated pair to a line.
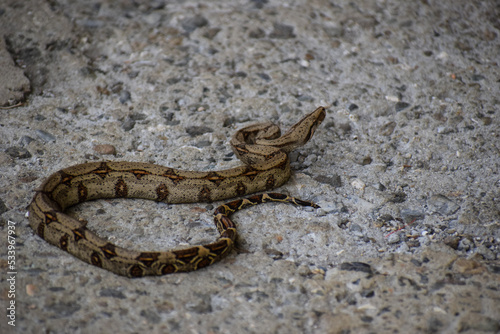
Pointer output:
x,y
261,148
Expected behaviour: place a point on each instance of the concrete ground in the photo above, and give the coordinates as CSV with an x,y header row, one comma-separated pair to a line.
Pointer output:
x,y
405,166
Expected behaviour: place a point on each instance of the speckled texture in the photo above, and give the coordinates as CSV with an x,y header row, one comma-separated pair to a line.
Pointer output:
x,y
405,166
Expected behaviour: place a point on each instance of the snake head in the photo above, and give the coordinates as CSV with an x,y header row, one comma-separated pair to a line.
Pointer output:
x,y
312,121
300,133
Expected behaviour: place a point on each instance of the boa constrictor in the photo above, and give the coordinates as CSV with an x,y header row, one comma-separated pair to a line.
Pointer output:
x,y
261,147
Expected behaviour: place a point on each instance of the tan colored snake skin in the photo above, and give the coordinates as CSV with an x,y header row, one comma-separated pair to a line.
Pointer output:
x,y
260,147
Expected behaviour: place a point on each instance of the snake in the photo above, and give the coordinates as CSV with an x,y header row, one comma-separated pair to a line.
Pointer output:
x,y
262,149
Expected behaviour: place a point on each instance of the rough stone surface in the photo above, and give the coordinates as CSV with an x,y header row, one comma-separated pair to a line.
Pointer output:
x,y
405,165
14,86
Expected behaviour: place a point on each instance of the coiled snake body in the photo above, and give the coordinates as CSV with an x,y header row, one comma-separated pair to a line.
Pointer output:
x,y
260,147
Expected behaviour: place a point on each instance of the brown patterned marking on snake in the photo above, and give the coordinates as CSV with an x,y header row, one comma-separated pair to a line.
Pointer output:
x,y
270,182
241,189
66,178
276,197
148,258
95,259
139,173
221,210
79,233
187,255
260,147
227,223
205,195
109,250
162,193
40,230
136,271
121,188
272,155
168,269
233,206
204,262
82,192
231,234
172,175
214,178
219,225
50,217
102,171
242,148
283,165
252,200
63,242
218,248
223,223
250,173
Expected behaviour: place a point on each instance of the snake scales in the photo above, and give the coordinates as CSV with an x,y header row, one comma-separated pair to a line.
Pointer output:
x,y
261,147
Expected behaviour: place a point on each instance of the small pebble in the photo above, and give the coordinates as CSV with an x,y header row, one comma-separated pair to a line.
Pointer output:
x,y
124,96
356,266
305,98
443,130
387,129
110,292
486,120
442,205
477,77
465,244
256,33
282,31
137,116
25,140
18,152
392,98
352,107
190,24
31,290
410,215
356,230
194,131
452,241
353,117
128,124
401,106
304,63
442,55
366,161
105,149
264,76
334,180
211,33
393,238
358,184
45,136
